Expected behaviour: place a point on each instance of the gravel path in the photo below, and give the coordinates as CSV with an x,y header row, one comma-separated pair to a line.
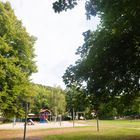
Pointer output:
x,y
40,125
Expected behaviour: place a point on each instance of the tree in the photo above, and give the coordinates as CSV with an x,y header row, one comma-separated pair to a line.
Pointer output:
x,y
40,99
56,100
75,99
61,5
52,98
131,110
110,56
16,62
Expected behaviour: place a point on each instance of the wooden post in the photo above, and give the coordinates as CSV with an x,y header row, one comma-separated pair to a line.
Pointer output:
x,y
73,116
60,119
97,119
25,124
14,121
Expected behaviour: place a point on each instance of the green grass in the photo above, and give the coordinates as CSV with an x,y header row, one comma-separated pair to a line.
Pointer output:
x,y
109,130
92,135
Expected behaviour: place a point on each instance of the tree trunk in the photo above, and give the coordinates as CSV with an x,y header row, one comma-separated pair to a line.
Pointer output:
x,y
25,124
73,117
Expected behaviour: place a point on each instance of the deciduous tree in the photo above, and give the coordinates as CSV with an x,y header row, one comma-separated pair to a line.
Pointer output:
x,y
110,56
16,61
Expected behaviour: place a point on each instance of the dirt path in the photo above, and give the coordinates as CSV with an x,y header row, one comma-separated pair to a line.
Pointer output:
x,y
36,132
41,125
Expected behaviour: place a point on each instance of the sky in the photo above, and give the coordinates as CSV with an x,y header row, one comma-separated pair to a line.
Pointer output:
x,y
58,36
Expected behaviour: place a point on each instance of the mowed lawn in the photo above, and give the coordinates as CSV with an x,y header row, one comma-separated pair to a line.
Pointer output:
x,y
109,130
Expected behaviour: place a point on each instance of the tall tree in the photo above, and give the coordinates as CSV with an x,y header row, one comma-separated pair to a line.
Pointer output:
x,y
76,99
16,61
56,100
110,56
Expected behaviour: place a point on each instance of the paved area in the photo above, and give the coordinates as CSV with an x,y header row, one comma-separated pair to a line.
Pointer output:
x,y
40,125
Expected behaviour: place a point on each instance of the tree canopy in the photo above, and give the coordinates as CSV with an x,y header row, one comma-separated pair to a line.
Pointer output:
x,y
16,62
110,56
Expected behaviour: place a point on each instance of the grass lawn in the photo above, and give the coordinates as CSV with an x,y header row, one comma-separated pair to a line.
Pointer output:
x,y
109,130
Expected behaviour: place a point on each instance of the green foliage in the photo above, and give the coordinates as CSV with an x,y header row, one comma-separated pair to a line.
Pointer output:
x,y
40,99
61,5
132,110
76,99
16,62
107,112
52,98
56,100
110,56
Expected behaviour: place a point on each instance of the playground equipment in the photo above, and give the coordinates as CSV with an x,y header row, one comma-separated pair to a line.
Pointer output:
x,y
31,122
80,115
43,115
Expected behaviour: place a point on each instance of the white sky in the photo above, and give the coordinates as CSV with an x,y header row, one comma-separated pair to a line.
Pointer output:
x,y
59,35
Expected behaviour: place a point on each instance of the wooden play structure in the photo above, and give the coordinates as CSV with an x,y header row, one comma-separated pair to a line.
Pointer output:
x,y
44,115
